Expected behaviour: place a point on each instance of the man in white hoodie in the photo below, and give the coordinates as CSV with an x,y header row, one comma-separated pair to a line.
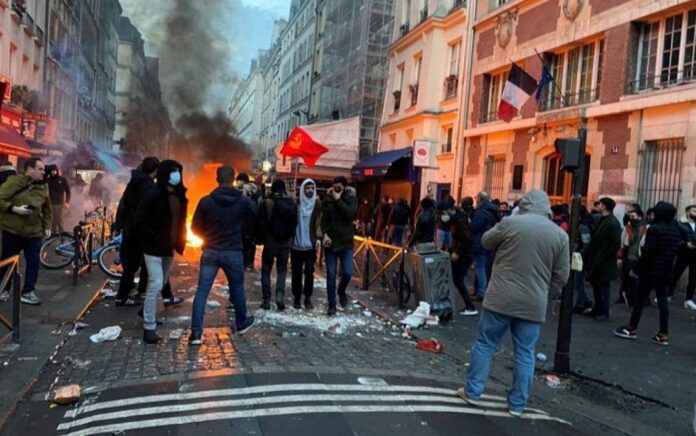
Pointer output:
x,y
305,244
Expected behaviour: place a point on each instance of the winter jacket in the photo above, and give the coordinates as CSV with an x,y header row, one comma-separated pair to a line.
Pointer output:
x,y
337,218
365,213
382,212
687,235
6,171
153,223
662,242
21,190
400,215
532,259
265,214
604,246
219,219
139,184
484,218
58,190
462,242
425,227
250,191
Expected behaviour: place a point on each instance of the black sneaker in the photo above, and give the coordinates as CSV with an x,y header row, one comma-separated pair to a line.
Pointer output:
x,y
331,311
280,306
660,339
308,304
151,337
266,305
195,339
343,299
625,333
297,305
246,326
173,301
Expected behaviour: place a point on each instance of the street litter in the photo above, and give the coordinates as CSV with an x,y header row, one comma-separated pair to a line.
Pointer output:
x,y
541,357
338,325
176,334
66,394
433,320
553,381
431,345
407,333
78,363
359,335
418,317
367,313
213,304
81,325
56,332
106,334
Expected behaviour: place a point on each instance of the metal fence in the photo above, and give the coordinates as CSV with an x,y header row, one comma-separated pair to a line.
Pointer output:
x,y
381,265
11,265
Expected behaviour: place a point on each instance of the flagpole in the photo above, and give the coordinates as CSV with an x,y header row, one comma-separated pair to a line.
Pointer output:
x,y
558,88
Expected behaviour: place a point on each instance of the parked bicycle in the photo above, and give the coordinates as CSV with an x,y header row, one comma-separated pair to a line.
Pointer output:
x,y
58,251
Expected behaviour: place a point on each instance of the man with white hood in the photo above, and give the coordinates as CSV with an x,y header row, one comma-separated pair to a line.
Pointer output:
x,y
532,259
305,244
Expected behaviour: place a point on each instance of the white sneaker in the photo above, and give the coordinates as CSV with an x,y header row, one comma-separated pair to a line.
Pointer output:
x,y
468,312
690,304
514,413
30,298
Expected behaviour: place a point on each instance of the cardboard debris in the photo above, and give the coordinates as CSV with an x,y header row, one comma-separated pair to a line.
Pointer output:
x,y
67,394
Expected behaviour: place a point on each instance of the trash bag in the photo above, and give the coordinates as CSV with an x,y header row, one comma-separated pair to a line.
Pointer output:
x,y
106,334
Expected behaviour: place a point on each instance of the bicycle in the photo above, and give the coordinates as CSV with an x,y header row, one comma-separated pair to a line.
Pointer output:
x,y
58,251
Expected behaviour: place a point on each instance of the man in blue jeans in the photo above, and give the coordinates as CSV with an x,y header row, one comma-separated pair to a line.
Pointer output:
x,y
485,216
339,208
532,259
218,220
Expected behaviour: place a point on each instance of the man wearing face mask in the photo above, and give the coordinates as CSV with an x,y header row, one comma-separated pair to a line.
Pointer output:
x,y
444,223
686,257
160,223
25,217
339,208
305,244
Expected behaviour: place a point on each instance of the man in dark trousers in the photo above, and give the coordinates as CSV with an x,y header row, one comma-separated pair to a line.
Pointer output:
x,y
278,221
59,193
686,257
381,216
399,218
484,218
219,220
601,268
305,244
338,212
365,217
655,271
142,181
462,255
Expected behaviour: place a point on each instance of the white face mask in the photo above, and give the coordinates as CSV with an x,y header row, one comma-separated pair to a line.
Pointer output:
x,y
445,218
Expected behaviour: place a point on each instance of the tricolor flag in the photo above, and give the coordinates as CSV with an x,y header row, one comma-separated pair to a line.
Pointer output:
x,y
518,88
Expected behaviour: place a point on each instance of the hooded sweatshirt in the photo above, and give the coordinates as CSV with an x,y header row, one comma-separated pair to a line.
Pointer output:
x,y
532,259
305,234
219,219
661,245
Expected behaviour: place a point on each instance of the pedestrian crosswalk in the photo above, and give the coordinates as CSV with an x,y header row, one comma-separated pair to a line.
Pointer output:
x,y
177,409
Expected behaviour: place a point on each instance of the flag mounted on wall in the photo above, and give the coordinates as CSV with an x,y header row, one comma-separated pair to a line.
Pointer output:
x,y
546,78
518,89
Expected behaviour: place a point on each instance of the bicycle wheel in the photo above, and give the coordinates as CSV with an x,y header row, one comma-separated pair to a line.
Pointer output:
x,y
57,251
110,261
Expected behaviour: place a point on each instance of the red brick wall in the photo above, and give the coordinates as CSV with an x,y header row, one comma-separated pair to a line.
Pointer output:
x,y
520,147
599,6
538,21
532,65
476,100
615,133
616,63
473,156
486,42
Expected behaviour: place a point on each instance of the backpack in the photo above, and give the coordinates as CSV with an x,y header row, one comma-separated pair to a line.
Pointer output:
x,y
282,218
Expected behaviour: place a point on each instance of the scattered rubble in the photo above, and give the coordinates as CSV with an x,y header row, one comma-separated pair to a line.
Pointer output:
x,y
66,394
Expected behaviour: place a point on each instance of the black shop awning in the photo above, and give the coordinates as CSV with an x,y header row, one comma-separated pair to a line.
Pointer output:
x,y
379,163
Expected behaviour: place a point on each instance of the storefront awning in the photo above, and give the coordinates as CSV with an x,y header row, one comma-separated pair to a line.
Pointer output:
x,y
11,142
378,164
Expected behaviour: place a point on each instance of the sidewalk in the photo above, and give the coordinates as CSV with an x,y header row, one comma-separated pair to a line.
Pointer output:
x,y
611,378
41,332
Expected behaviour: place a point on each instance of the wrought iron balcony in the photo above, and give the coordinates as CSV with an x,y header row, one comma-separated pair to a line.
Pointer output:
x,y
569,100
664,80
451,85
487,117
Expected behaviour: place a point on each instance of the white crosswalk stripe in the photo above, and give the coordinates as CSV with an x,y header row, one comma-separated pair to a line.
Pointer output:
x,y
314,399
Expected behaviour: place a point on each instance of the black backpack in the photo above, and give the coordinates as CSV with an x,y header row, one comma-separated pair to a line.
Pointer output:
x,y
282,218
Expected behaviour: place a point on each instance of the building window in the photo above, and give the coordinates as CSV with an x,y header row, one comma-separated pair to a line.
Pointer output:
x,y
447,145
502,2
416,80
666,52
495,176
558,183
492,90
399,84
452,79
577,72
659,171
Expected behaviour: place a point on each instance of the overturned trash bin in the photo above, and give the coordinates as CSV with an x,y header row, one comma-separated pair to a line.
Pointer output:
x,y
432,278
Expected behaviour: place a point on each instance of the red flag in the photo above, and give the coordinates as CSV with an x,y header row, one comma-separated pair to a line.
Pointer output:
x,y
300,144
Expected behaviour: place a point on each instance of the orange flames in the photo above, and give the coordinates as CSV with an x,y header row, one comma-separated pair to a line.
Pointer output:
x,y
192,240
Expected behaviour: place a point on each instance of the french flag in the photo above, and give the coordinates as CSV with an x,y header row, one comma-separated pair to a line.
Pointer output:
x,y
518,89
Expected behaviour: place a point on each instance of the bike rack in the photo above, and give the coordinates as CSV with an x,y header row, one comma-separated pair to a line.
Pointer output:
x,y
79,234
368,245
11,264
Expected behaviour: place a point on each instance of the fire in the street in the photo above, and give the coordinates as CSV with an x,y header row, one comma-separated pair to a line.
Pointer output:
x,y
192,240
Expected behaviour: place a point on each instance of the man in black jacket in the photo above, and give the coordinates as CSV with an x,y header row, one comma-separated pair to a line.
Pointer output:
x,y
462,255
426,222
219,220
686,257
59,194
655,270
399,218
160,223
142,181
382,212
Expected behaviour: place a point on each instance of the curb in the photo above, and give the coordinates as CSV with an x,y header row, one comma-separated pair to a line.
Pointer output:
x,y
22,395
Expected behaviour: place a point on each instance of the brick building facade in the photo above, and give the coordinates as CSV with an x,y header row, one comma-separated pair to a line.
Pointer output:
x,y
627,65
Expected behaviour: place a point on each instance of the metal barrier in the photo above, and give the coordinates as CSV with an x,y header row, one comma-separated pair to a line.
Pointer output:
x,y
387,262
11,264
84,248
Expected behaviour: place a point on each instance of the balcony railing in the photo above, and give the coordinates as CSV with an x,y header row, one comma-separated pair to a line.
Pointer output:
x,y
451,85
424,14
487,117
664,80
397,100
446,148
569,100
414,94
404,29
